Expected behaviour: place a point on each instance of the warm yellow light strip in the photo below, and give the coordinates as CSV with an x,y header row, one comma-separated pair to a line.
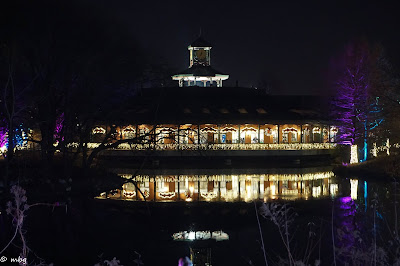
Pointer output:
x,y
230,178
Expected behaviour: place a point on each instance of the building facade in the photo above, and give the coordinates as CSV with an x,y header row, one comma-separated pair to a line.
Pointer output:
x,y
202,114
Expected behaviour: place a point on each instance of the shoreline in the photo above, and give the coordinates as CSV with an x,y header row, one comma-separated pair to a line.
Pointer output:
x,y
381,169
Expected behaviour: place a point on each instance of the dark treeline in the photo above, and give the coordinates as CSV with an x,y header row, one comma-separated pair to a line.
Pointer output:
x,y
64,65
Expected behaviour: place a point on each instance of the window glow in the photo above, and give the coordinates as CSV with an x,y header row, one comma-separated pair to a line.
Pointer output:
x,y
316,192
208,195
98,130
316,130
166,195
334,189
289,129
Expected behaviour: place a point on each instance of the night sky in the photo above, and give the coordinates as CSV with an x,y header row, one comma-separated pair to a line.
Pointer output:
x,y
288,44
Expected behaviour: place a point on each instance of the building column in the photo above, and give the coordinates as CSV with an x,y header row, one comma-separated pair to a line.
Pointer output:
x,y
301,134
279,133
238,134
179,127
198,134
219,190
301,186
136,190
219,134
259,127
239,187
153,137
179,190
321,134
311,133
154,188
329,134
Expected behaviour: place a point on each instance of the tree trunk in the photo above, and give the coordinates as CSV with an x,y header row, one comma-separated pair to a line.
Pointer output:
x,y
10,149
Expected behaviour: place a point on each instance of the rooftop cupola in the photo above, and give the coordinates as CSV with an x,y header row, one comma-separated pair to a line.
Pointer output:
x,y
200,52
200,73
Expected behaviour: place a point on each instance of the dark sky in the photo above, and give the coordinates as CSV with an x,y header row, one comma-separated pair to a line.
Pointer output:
x,y
289,44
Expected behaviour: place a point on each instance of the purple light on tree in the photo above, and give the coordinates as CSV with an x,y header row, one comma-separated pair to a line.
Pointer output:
x,y
355,109
3,137
3,134
351,94
59,127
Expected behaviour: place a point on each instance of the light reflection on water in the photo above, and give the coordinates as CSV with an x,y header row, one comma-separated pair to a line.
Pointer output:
x,y
345,224
231,187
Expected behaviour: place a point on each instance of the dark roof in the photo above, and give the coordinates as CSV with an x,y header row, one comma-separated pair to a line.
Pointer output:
x,y
197,70
200,42
218,105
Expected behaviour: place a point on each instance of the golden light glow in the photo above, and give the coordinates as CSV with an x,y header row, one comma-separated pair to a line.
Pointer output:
x,y
273,190
353,154
231,178
228,187
228,129
129,193
387,147
98,130
316,192
252,129
236,146
289,129
208,195
353,188
166,195
374,150
241,146
128,129
316,130
334,189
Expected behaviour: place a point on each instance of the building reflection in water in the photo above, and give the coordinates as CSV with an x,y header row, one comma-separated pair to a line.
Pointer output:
x,y
353,188
243,187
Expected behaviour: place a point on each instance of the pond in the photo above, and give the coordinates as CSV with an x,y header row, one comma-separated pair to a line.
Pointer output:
x,y
212,216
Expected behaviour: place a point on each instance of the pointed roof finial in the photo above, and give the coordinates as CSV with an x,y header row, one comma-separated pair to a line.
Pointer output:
x,y
200,42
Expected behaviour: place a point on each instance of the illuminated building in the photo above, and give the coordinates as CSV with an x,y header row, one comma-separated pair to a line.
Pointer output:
x,y
201,118
201,114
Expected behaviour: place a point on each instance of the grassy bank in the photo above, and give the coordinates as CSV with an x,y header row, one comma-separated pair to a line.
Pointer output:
x,y
383,168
